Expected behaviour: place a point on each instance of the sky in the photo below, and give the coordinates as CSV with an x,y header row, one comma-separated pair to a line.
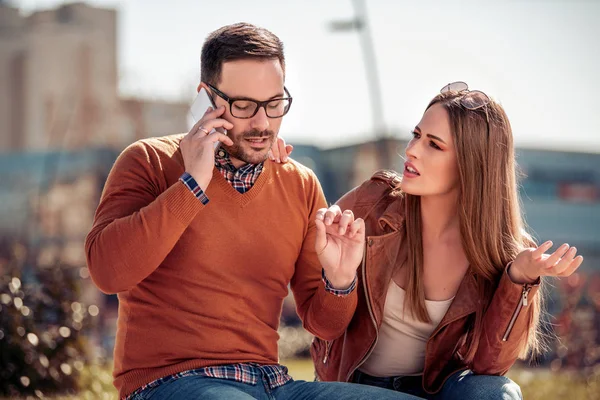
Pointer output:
x,y
539,58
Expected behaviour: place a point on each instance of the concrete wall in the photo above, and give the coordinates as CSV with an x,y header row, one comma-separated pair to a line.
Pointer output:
x,y
59,84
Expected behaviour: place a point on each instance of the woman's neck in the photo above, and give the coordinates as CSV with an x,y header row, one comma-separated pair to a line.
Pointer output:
x,y
439,218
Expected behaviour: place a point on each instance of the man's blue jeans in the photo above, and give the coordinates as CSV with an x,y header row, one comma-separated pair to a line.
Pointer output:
x,y
200,387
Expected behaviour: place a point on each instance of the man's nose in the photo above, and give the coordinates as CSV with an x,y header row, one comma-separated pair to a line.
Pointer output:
x,y
260,121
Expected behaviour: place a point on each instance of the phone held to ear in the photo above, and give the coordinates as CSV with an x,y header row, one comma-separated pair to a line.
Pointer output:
x,y
199,107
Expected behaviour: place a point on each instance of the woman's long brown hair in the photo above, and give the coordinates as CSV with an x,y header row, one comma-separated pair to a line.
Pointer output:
x,y
491,225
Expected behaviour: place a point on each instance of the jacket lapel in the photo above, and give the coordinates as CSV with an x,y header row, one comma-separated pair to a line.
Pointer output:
x,y
464,302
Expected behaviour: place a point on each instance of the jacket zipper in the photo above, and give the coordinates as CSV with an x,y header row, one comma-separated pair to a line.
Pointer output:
x,y
328,345
522,303
368,295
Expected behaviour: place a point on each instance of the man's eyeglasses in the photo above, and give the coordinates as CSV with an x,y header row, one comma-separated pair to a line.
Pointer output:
x,y
470,99
245,108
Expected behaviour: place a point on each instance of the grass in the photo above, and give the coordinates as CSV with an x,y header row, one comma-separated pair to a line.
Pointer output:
x,y
542,384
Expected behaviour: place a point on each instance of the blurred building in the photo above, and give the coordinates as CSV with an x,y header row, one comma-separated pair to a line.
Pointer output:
x,y
349,166
59,83
561,199
149,118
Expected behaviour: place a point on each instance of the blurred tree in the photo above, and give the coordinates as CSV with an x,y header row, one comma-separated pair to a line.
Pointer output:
x,y
42,346
578,325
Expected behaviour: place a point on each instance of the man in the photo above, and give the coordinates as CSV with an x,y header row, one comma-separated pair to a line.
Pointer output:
x,y
201,245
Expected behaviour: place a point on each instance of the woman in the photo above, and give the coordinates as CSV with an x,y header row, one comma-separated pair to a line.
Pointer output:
x,y
448,284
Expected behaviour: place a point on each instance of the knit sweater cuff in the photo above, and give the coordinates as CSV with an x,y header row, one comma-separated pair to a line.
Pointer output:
x,y
182,203
333,312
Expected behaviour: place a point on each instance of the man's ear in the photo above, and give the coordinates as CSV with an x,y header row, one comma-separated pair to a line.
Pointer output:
x,y
203,85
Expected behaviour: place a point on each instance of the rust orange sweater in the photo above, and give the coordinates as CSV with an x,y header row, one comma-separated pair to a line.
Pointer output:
x,y
202,285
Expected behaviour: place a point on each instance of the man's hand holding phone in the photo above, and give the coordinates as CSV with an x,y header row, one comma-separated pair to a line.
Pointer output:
x,y
197,147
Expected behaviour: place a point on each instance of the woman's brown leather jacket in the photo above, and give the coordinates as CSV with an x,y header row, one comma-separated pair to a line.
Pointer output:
x,y
504,325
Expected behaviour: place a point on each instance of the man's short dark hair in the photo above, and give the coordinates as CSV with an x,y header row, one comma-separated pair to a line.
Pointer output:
x,y
236,42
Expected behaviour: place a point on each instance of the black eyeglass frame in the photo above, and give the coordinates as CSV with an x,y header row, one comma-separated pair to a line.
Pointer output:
x,y
259,104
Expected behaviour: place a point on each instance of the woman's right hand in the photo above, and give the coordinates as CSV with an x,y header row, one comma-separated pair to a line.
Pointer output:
x,y
197,147
533,263
339,244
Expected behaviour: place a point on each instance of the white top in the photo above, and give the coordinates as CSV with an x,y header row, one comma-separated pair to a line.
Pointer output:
x,y
400,348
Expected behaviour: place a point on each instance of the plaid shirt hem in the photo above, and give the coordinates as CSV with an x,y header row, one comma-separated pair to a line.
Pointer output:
x,y
338,292
274,375
191,184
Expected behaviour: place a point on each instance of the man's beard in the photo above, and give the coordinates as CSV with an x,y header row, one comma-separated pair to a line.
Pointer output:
x,y
248,155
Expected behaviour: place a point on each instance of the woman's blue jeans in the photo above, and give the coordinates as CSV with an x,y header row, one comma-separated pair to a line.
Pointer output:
x,y
463,385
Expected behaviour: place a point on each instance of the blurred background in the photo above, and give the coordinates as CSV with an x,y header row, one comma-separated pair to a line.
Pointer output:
x,y
80,81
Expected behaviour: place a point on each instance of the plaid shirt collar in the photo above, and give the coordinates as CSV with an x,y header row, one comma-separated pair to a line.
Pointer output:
x,y
243,178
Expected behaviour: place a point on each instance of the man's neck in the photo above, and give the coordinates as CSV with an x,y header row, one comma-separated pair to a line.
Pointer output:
x,y
237,163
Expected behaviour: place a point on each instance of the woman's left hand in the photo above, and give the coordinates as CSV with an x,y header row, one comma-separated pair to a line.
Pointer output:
x,y
280,151
532,263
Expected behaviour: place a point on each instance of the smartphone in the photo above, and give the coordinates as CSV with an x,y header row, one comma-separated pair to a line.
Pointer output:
x,y
199,107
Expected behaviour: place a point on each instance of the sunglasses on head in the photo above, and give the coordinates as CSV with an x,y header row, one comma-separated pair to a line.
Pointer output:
x,y
470,99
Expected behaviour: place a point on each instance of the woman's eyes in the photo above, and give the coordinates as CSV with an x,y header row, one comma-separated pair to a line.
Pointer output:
x,y
417,135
